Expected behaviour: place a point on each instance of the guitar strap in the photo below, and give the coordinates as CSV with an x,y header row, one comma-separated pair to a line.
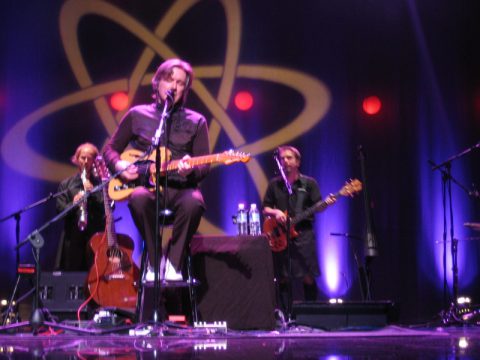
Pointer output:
x,y
301,193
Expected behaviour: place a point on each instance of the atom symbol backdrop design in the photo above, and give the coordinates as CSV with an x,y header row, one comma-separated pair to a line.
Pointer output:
x,y
15,147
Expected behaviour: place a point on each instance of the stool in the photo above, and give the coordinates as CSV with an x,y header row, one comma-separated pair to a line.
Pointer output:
x,y
166,219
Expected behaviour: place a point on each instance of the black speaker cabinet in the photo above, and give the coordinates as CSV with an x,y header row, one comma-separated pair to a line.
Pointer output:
x,y
62,293
236,281
329,316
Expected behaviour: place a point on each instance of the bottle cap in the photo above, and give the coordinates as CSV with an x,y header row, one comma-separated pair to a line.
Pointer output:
x,y
253,206
241,206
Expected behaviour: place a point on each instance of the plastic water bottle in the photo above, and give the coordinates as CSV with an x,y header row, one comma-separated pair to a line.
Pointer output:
x,y
254,220
242,224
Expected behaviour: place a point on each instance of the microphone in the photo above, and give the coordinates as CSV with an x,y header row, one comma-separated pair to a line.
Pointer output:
x,y
170,94
167,108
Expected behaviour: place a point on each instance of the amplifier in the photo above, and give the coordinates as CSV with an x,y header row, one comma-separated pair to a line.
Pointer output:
x,y
62,291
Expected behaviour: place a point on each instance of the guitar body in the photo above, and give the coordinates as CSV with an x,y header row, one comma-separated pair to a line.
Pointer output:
x,y
117,272
277,234
119,190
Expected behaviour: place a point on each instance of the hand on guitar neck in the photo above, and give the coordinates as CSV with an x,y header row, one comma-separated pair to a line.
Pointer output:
x,y
184,167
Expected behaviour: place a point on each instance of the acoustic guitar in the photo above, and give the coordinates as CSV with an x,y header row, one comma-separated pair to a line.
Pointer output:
x,y
111,280
276,233
119,190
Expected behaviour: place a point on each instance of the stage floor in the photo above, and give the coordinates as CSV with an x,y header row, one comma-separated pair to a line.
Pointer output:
x,y
174,342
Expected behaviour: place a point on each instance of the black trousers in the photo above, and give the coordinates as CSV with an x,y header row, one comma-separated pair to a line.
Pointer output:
x,y
188,207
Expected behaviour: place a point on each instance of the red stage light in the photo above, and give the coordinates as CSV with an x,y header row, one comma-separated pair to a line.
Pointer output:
x,y
372,105
243,100
119,101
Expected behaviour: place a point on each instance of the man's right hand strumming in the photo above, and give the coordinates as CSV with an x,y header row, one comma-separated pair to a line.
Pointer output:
x,y
130,171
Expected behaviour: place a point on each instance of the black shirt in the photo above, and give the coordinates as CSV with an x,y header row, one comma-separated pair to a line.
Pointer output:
x,y
187,134
305,194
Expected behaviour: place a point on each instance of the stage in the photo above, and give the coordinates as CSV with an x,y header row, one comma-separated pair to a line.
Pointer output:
x,y
238,319
300,342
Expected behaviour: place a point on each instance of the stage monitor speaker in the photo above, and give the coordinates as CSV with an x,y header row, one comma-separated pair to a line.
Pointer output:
x,y
62,293
324,315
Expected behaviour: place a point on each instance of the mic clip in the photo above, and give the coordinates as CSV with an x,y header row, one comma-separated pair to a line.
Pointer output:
x,y
275,154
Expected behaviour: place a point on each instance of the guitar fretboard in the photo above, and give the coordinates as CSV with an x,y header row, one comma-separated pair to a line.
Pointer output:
x,y
318,207
196,161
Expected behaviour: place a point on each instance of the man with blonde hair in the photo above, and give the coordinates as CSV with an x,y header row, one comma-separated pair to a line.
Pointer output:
x,y
74,253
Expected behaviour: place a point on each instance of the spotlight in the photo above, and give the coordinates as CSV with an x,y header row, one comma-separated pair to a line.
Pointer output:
x,y
463,300
335,301
462,343
372,105
119,101
243,100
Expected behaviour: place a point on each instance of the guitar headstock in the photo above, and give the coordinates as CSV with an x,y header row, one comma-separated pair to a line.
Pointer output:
x,y
100,168
231,156
351,188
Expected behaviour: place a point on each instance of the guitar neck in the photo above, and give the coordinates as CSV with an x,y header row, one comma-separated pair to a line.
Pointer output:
x,y
317,207
109,222
195,161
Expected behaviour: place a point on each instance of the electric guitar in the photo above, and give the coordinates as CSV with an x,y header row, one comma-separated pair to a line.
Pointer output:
x,y
111,280
119,190
276,233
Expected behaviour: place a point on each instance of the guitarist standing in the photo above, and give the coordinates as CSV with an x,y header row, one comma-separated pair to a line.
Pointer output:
x,y
303,248
186,136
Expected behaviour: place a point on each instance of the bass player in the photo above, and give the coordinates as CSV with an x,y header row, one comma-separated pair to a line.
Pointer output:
x,y
302,248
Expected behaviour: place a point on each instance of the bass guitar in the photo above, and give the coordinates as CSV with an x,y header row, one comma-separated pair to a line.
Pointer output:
x,y
119,190
276,233
111,280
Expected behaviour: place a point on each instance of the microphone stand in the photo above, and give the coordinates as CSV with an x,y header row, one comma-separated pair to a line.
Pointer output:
x,y
167,107
288,226
371,245
36,240
450,315
364,279
454,157
17,215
